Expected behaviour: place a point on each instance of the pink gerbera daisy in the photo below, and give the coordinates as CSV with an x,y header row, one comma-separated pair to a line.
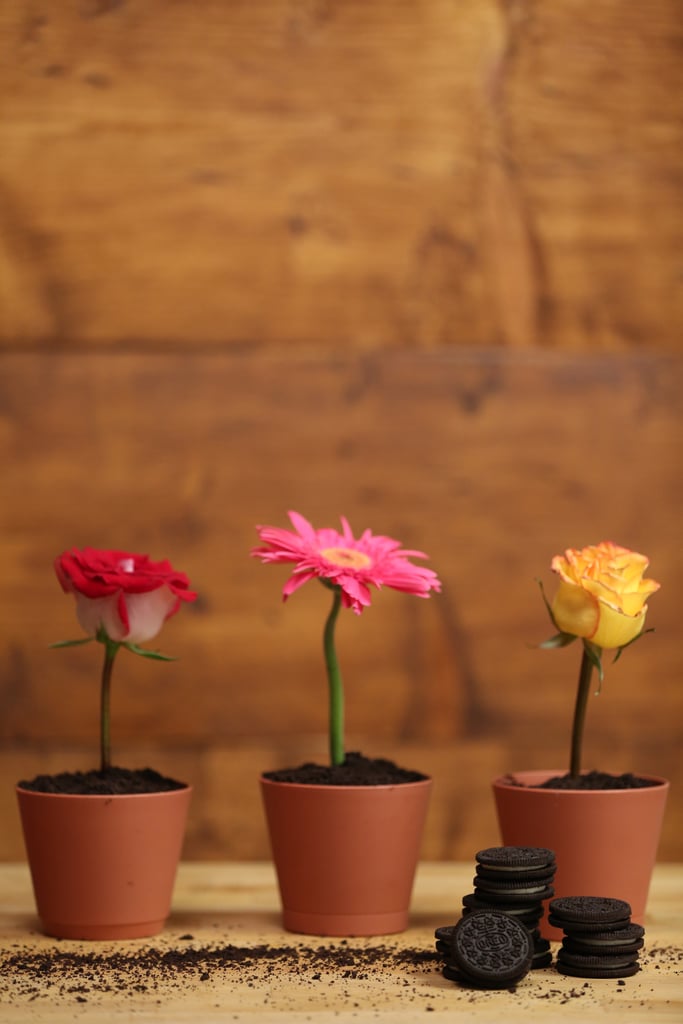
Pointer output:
x,y
348,565
344,561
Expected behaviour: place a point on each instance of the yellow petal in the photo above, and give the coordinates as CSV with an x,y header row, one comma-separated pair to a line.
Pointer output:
x,y
575,610
615,628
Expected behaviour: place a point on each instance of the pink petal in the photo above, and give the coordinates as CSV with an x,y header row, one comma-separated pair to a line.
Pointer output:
x,y
296,580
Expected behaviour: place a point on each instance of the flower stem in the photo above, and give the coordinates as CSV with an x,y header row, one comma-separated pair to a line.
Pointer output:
x,y
580,713
110,650
334,680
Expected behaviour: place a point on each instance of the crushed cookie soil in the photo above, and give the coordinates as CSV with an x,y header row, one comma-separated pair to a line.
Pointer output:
x,y
346,972
112,781
597,780
356,770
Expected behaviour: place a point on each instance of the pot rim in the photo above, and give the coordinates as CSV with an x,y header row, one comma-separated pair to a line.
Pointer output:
x,y
21,790
318,786
503,782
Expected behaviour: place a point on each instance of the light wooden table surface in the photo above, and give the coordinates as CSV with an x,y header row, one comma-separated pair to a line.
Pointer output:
x,y
246,968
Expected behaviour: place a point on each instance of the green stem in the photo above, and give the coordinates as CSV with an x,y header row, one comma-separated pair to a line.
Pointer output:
x,y
334,680
110,650
580,713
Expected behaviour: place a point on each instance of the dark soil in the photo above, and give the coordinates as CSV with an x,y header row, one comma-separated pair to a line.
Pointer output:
x,y
356,770
596,780
117,781
86,976
345,972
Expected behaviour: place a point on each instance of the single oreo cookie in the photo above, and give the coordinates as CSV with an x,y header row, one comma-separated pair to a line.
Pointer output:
x,y
453,974
598,972
587,948
565,956
442,937
591,910
515,858
513,890
535,876
625,936
542,952
540,960
491,948
510,900
528,914
586,928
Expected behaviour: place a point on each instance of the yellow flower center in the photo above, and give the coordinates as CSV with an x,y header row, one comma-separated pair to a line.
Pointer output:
x,y
348,558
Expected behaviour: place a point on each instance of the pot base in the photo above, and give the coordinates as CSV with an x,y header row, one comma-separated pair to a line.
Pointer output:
x,y
344,925
88,932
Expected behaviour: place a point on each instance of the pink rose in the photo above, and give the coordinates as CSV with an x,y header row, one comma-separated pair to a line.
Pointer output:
x,y
127,595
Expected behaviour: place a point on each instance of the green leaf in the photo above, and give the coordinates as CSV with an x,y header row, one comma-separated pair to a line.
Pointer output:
x,y
144,653
594,654
72,643
559,640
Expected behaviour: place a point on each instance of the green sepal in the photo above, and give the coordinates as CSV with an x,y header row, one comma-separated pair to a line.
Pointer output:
x,y
624,646
594,654
144,653
72,643
546,602
559,640
328,583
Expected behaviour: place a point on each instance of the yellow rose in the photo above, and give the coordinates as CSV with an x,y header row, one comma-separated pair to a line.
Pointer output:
x,y
602,595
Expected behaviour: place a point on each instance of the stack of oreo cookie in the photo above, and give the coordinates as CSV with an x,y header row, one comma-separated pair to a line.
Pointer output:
x,y
515,880
600,940
511,881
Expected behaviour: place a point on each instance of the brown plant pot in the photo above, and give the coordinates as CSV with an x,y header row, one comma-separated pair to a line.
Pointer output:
x,y
103,867
605,841
345,856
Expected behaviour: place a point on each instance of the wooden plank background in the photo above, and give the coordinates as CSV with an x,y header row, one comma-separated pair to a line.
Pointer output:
x,y
414,263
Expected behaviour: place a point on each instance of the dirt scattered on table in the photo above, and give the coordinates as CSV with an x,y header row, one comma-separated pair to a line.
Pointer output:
x,y
346,970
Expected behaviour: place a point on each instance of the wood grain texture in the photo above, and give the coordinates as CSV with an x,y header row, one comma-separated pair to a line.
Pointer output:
x,y
311,172
225,909
417,263
490,464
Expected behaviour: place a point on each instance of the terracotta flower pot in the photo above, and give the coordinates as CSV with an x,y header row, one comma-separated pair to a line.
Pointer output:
x,y
605,841
345,856
103,867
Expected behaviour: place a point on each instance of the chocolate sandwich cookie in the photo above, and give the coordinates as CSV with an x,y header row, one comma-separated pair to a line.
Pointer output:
x,y
453,974
596,973
528,914
515,858
540,960
583,927
585,948
508,890
443,935
589,913
533,877
542,956
600,970
612,937
489,949
604,960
